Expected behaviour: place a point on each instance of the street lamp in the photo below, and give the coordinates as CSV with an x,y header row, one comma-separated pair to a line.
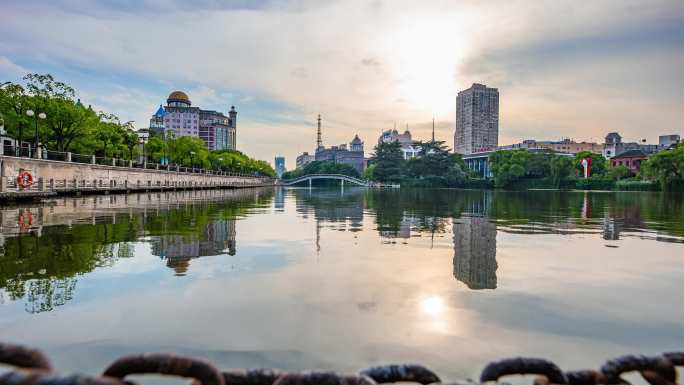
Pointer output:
x,y
192,160
220,165
42,116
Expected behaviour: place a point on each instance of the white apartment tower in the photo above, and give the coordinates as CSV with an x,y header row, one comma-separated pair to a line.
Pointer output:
x,y
477,119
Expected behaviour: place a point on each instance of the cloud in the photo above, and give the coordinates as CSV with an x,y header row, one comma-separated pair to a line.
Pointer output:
x,y
10,70
562,68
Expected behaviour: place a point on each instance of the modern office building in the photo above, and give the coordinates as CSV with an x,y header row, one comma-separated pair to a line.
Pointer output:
x,y
279,165
477,120
666,141
180,118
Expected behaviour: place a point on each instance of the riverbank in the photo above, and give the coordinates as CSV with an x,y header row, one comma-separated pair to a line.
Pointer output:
x,y
26,178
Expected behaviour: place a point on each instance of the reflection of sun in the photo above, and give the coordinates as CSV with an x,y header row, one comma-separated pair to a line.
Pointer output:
x,y
432,306
426,64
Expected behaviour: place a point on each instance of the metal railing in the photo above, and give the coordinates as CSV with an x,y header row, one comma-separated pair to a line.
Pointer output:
x,y
27,152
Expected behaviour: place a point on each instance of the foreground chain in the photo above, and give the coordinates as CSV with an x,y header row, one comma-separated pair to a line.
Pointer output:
x,y
32,367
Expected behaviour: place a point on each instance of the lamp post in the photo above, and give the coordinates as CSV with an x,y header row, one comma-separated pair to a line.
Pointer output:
x,y
42,116
192,160
219,165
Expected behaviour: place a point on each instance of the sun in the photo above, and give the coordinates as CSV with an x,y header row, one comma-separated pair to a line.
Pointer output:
x,y
425,66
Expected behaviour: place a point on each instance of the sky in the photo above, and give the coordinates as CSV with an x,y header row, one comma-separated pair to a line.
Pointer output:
x,y
571,69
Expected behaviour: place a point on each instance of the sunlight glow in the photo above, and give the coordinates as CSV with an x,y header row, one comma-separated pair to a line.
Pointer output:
x,y
427,63
432,306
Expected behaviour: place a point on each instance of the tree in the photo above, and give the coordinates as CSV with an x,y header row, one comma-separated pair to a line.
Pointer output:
x,y
388,160
130,139
618,172
599,164
109,133
561,168
667,167
67,121
13,105
508,166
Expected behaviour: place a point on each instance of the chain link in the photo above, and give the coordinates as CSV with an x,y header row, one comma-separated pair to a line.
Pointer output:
x,y
33,368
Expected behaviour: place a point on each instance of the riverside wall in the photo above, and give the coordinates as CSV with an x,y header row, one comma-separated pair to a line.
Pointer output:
x,y
51,177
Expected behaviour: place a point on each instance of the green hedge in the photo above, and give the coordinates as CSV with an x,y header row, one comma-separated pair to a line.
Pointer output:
x,y
636,185
479,183
540,183
595,184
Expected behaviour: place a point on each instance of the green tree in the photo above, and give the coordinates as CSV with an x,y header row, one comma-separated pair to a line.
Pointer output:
x,y
667,167
389,161
561,169
130,139
618,172
599,164
508,166
13,104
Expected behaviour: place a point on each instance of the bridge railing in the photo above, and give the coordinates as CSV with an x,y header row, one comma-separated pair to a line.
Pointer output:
x,y
325,176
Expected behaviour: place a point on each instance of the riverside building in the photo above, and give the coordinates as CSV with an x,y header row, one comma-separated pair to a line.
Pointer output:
x,y
180,118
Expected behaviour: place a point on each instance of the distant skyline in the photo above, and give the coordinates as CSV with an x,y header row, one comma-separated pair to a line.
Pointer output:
x,y
563,68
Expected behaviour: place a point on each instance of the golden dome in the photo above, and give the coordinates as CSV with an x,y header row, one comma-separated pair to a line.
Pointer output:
x,y
178,96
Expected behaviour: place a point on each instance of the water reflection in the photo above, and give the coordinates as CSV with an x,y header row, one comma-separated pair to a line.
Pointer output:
x,y
215,238
69,237
475,252
46,248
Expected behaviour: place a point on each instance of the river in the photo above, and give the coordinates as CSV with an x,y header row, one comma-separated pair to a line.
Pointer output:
x,y
345,279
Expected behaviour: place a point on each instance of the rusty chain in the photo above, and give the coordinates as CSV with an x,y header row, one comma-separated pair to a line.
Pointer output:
x,y
33,368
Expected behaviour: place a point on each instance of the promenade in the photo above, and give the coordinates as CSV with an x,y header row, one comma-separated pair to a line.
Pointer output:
x,y
28,177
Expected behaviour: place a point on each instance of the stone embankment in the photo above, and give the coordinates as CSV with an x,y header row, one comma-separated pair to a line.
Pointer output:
x,y
51,177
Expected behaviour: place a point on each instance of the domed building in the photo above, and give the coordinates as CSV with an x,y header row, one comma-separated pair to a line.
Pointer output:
x,y
180,118
178,99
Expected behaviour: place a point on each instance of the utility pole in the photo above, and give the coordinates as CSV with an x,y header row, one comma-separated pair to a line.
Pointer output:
x,y
319,138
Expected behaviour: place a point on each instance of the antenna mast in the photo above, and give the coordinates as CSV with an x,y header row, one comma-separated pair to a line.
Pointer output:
x,y
433,129
319,138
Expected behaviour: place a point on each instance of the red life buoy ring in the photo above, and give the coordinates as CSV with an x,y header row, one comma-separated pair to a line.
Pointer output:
x,y
24,179
25,219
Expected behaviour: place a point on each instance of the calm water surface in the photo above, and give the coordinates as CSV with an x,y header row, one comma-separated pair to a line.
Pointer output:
x,y
335,279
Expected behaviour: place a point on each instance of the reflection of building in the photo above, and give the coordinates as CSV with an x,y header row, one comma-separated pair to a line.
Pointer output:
x,y
279,199
217,237
477,120
279,165
404,230
624,218
475,252
179,118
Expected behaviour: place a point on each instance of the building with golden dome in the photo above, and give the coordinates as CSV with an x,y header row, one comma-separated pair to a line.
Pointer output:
x,y
180,118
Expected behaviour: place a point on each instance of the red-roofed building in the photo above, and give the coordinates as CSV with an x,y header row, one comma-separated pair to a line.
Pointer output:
x,y
631,159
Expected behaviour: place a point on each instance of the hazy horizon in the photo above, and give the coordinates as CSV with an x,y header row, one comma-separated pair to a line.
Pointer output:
x,y
563,69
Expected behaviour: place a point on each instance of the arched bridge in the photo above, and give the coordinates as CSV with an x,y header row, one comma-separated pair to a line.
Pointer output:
x,y
340,177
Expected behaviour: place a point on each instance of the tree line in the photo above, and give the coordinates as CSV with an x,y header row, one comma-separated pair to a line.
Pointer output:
x,y
434,167
437,167
69,126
